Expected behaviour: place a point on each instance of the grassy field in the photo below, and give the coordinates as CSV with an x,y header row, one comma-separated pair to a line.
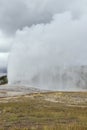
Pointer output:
x,y
44,111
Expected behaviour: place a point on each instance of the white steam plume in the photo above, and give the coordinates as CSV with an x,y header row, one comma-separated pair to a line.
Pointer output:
x,y
49,55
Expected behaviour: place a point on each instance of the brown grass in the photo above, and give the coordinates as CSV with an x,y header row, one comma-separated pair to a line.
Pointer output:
x,y
45,111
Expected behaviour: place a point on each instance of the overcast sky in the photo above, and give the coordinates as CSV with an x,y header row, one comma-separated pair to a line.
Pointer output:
x,y
67,19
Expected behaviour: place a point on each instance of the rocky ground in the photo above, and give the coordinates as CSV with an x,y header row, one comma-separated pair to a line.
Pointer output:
x,y
11,90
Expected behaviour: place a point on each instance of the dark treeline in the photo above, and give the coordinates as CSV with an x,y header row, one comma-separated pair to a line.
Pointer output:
x,y
3,80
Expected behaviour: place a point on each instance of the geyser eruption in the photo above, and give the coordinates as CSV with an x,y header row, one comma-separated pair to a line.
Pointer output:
x,y
51,55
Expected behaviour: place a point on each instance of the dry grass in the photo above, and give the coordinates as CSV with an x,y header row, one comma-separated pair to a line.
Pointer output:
x,y
44,111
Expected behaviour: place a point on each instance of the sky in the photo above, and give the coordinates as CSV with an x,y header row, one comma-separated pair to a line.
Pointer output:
x,y
48,31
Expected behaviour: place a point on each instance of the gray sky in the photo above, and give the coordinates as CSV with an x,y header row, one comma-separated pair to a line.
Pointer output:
x,y
67,19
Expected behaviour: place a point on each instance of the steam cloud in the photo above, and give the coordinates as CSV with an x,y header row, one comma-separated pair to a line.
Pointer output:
x,y
50,43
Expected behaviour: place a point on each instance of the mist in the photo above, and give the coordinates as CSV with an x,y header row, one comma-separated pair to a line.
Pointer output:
x,y
49,49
